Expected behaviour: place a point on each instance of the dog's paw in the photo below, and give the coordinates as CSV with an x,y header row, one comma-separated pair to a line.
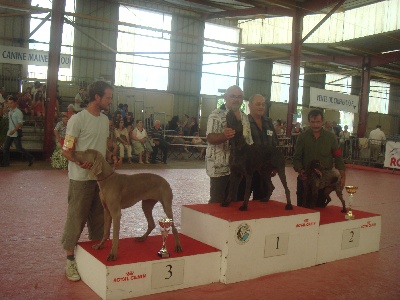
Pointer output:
x,y
98,246
140,238
344,210
243,208
178,248
264,200
111,257
289,207
225,204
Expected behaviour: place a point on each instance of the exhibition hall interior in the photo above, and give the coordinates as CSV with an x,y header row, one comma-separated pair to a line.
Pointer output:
x,y
262,138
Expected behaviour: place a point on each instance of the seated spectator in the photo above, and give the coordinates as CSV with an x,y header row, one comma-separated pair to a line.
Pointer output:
x,y
38,105
140,142
174,124
70,111
199,141
59,131
194,126
278,127
186,125
25,101
123,141
156,134
112,145
129,119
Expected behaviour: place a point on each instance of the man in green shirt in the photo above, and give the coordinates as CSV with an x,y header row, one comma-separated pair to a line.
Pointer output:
x,y
316,144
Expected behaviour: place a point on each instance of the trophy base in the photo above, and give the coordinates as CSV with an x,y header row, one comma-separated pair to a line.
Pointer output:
x,y
163,254
349,217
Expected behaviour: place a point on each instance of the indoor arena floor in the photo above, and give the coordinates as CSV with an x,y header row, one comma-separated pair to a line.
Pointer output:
x,y
33,210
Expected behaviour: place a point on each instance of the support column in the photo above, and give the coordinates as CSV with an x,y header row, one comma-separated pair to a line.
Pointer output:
x,y
57,17
365,81
297,29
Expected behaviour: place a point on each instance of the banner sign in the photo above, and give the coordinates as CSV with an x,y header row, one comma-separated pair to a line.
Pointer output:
x,y
392,155
333,100
24,56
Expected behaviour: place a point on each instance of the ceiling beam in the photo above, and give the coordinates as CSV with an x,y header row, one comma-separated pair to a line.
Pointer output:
x,y
288,4
315,6
272,10
211,4
327,16
383,59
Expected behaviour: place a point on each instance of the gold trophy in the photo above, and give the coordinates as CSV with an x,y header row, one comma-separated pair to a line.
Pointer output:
x,y
351,189
165,225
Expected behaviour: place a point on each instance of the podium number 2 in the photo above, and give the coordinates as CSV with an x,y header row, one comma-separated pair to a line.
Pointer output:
x,y
350,238
169,271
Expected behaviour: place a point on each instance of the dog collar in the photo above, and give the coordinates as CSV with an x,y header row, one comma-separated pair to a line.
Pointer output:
x,y
106,177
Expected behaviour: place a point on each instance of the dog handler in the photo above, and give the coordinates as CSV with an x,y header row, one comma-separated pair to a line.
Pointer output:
x,y
218,136
263,134
316,144
87,129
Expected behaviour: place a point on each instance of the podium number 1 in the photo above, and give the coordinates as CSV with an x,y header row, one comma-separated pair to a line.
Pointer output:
x,y
276,244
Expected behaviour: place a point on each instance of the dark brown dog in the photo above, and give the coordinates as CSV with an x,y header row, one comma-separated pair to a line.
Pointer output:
x,y
320,179
246,159
119,191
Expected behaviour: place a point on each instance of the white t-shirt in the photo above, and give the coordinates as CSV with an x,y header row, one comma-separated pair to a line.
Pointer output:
x,y
217,156
91,132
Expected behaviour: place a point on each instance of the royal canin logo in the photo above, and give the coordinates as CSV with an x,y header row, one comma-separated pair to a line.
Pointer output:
x,y
306,223
369,224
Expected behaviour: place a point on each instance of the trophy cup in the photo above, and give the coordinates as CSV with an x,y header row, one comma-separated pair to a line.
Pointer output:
x,y
165,225
351,189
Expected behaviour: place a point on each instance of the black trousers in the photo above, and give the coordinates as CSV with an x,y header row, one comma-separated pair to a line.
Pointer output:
x,y
6,149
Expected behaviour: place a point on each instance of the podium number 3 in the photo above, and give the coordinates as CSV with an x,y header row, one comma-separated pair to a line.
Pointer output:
x,y
169,271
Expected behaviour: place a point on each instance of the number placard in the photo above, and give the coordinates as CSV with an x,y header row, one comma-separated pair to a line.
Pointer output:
x,y
276,244
350,238
167,273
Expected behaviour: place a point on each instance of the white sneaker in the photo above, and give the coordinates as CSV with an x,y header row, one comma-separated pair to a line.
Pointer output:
x,y
71,271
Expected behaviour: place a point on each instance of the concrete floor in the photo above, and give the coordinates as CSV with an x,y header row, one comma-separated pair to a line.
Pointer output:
x,y
33,209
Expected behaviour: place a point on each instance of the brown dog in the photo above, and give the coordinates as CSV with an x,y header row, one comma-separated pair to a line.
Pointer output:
x,y
119,191
320,179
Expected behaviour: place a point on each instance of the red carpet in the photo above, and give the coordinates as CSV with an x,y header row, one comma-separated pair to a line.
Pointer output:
x,y
256,210
131,251
333,214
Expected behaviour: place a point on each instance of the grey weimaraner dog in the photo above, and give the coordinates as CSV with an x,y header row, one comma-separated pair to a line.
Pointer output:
x,y
119,191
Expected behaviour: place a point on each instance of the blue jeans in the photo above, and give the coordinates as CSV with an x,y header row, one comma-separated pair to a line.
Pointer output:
x,y
18,145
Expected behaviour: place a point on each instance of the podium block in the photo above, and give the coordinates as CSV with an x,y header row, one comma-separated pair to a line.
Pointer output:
x,y
340,238
139,271
265,239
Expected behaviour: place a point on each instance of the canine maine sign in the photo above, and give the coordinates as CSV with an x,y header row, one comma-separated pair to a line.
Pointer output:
x,y
333,100
24,56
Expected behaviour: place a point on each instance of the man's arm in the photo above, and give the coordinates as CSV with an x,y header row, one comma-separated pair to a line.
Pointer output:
x,y
219,138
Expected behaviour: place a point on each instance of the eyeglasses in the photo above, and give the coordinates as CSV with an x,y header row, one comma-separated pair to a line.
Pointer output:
x,y
239,97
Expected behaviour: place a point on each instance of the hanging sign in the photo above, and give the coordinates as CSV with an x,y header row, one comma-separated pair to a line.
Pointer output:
x,y
333,100
24,56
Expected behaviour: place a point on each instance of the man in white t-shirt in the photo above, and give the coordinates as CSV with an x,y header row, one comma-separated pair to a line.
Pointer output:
x,y
376,138
218,136
87,129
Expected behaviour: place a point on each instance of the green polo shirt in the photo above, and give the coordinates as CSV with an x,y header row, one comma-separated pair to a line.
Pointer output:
x,y
309,148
